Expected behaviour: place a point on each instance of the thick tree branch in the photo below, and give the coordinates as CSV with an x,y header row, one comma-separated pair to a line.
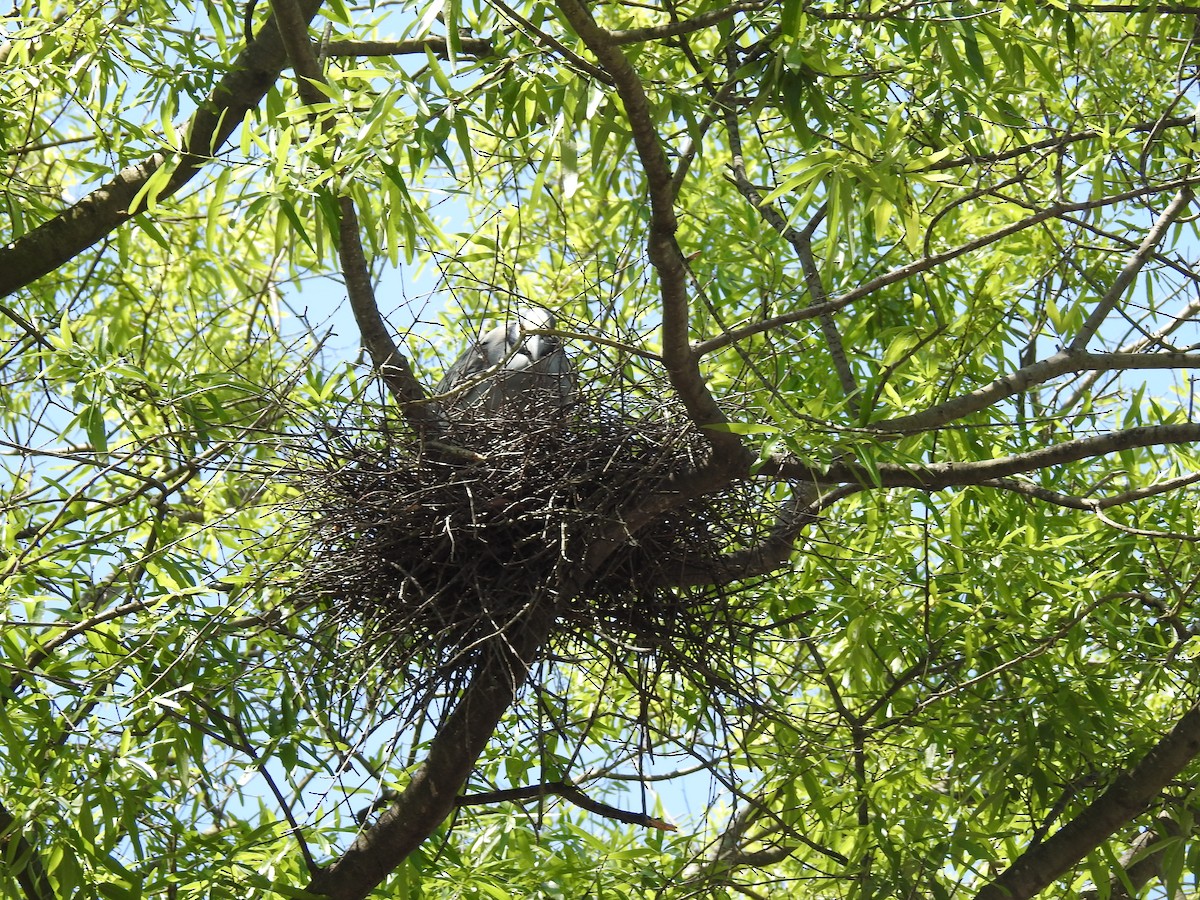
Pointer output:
x,y
1040,865
393,366
681,363
773,552
432,794
58,240
1141,862
16,849
845,478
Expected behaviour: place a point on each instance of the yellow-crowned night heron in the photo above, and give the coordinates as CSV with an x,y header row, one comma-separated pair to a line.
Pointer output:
x,y
508,367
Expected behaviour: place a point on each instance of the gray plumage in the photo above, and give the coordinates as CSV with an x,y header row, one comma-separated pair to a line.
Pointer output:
x,y
527,370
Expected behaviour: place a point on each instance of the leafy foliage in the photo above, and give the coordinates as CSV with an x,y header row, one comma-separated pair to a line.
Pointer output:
x,y
932,265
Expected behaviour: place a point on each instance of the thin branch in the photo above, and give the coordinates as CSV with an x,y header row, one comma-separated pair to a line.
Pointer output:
x,y
938,476
26,326
1147,532
695,137
600,340
802,244
1062,363
717,106
1134,265
1155,338
552,43
293,826
475,47
686,26
1070,501
43,650
1041,865
926,263
393,366
571,794
1064,140
1040,648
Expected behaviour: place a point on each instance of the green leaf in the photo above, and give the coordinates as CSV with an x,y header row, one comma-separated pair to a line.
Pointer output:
x,y
439,76
147,226
146,198
91,419
743,428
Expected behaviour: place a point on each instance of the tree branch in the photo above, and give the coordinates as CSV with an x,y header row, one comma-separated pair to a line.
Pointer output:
x,y
926,263
771,553
938,476
476,47
1069,501
686,26
26,864
571,794
392,365
1134,265
802,244
1032,375
1141,862
1039,866
987,160
552,43
729,851
58,240
681,363
432,793
1156,338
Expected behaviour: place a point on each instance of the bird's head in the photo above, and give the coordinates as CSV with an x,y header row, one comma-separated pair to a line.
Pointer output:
x,y
537,319
534,319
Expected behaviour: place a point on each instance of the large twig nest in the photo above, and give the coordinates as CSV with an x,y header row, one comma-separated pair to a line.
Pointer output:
x,y
430,554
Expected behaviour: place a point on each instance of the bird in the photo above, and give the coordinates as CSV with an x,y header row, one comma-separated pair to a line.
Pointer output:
x,y
508,367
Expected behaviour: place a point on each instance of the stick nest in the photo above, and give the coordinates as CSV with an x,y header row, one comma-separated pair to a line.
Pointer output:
x,y
429,555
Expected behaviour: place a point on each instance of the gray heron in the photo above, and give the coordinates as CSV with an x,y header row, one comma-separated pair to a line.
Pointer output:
x,y
509,367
